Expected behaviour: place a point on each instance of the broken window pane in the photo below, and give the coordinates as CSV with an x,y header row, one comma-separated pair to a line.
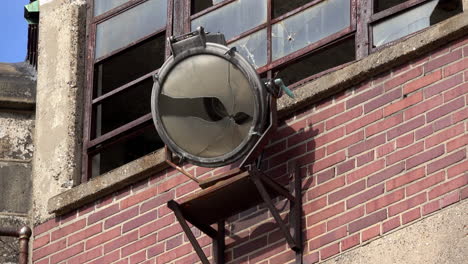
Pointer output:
x,y
126,150
324,59
234,18
102,6
281,7
413,20
309,26
129,65
200,5
380,5
122,108
130,26
253,48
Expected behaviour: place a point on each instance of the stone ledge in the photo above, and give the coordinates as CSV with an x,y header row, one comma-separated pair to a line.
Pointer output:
x,y
314,91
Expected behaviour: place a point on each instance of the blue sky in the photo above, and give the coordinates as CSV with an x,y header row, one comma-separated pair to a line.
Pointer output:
x,y
13,31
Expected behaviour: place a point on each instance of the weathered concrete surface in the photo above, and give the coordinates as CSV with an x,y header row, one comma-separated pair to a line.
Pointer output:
x,y
438,239
15,187
9,246
58,136
16,136
17,86
314,91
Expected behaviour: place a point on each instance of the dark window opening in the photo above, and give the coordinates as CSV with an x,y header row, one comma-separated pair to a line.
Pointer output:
x,y
129,65
281,7
122,108
125,150
380,5
324,59
200,5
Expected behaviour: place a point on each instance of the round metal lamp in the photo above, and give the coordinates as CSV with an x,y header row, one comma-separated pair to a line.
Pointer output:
x,y
208,103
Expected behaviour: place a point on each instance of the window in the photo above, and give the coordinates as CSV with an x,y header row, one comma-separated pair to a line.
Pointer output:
x,y
297,40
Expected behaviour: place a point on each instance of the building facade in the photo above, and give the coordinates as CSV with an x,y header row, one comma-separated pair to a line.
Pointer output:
x,y
378,127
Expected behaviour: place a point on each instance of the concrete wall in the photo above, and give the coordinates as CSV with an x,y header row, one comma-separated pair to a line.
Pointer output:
x,y
60,87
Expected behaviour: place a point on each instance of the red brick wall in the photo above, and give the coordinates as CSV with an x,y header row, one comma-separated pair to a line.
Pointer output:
x,y
374,159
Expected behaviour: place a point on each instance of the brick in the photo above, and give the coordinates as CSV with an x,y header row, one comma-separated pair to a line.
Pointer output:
x,y
120,242
266,253
411,215
350,242
168,184
345,166
458,91
325,176
316,231
457,169
285,156
138,258
84,234
456,67
325,188
137,246
287,130
462,114
445,135
424,132
367,221
327,238
385,201
403,78
250,246
345,142
365,196
405,140
365,158
442,123
324,214
385,124
174,242
326,113
445,85
431,207
422,82
405,127
49,249
139,221
156,250
308,158
423,107
448,186
182,190
327,162
364,121
385,149
101,214
405,153
109,258
311,258
67,253
347,191
443,60
156,201
457,143
156,225
345,218
407,204
446,161
464,193
121,217
343,118
366,145
450,199
41,241
330,251
424,157
301,136
326,138
370,233
363,97
46,226
169,232
365,171
445,109
390,224
64,219
386,174
104,237
425,183
402,104
86,256
314,205
282,258
405,179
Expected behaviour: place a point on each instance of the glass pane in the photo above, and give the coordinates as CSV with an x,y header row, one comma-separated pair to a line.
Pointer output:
x,y
129,65
200,5
122,108
130,26
319,61
309,26
281,7
253,47
380,5
414,20
102,6
234,18
126,150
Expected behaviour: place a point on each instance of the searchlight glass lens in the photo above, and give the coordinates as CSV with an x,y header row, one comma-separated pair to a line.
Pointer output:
x,y
207,106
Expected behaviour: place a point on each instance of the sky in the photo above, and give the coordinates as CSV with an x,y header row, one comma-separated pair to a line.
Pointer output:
x,y
13,30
